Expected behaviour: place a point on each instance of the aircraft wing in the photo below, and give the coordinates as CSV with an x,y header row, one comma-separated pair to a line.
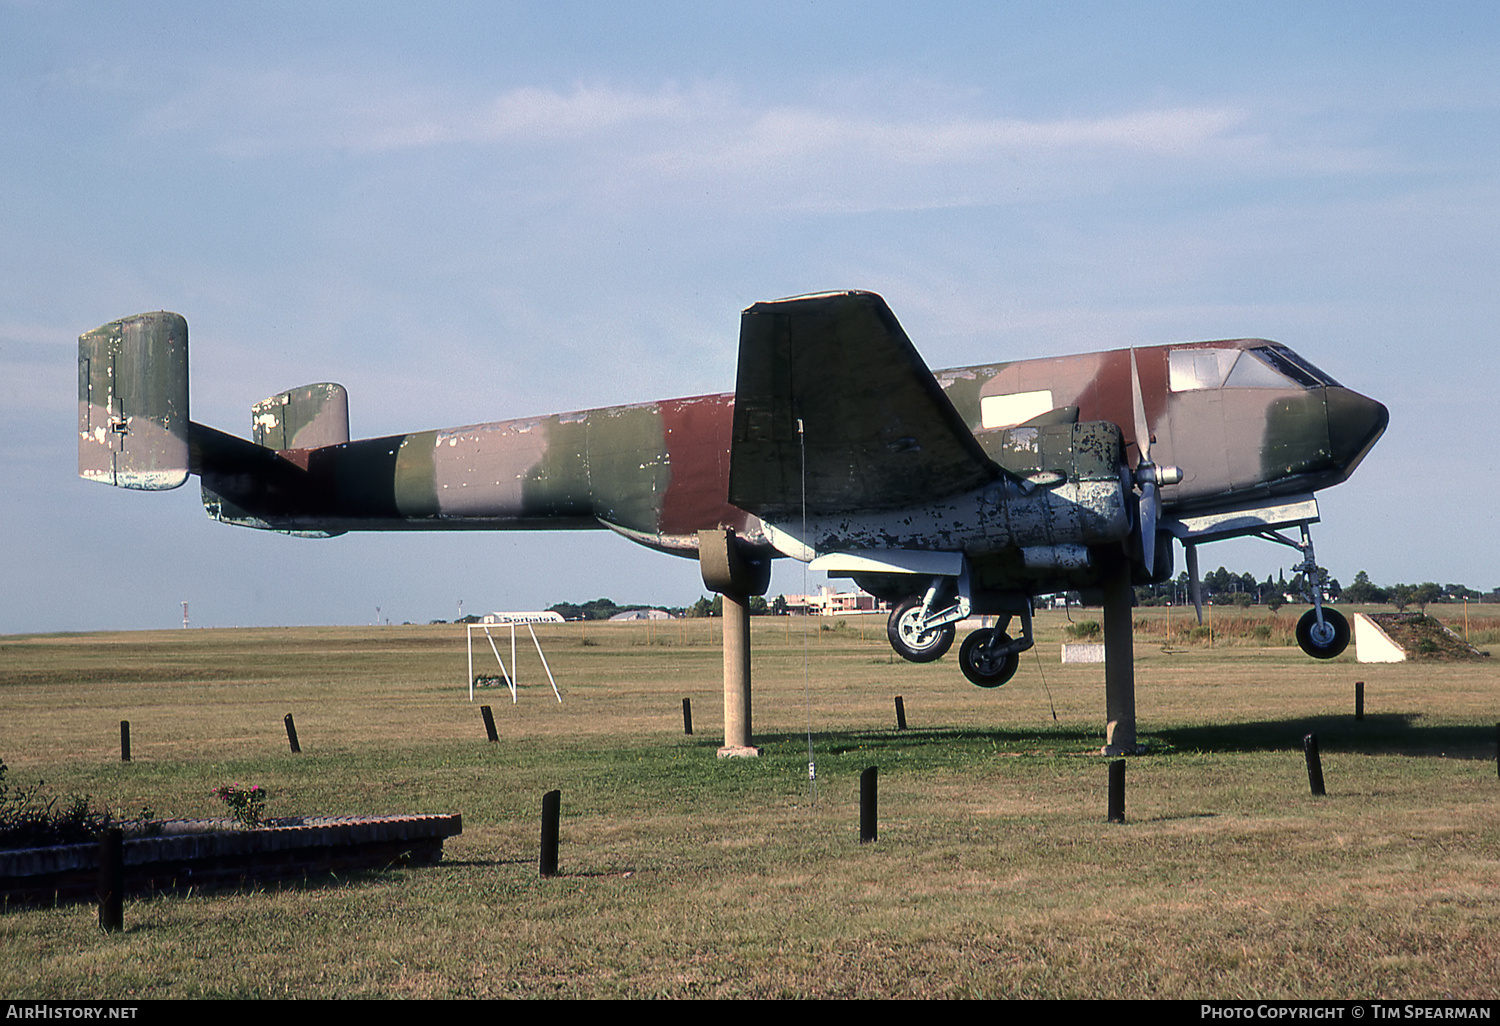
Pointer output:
x,y
877,431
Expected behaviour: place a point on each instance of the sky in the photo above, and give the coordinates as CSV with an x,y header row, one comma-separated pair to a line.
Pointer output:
x,y
468,212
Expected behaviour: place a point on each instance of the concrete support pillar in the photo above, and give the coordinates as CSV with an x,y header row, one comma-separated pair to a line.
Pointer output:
x,y
736,676
1119,663
729,571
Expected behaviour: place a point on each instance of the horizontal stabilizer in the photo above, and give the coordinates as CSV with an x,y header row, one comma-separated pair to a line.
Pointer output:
x,y
252,485
832,397
133,402
302,418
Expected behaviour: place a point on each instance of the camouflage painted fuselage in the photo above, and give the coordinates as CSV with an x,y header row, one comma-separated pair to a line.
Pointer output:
x,y
837,440
659,472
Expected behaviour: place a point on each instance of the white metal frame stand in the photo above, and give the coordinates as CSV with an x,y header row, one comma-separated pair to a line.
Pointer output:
x,y
510,677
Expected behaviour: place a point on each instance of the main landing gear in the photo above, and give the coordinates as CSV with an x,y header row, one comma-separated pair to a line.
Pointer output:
x,y
987,659
910,636
922,629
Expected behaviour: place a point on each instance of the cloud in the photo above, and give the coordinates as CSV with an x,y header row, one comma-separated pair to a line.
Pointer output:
x,y
704,146
285,109
263,113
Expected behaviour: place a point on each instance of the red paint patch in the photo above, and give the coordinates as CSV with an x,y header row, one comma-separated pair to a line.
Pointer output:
x,y
698,432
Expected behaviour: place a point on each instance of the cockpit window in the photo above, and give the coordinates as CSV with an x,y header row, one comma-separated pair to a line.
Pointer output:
x,y
1262,367
1294,366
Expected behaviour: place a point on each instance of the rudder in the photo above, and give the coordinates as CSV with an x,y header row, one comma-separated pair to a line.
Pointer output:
x,y
308,417
133,402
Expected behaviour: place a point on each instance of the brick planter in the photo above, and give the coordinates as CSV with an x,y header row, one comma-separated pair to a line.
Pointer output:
x,y
214,853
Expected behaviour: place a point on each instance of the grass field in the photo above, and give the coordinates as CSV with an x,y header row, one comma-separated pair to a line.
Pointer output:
x,y
995,874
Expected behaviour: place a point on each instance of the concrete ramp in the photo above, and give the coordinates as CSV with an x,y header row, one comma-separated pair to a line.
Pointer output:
x,y
1373,645
1397,637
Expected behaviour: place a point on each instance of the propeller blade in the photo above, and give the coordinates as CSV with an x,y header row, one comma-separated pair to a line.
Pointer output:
x,y
1150,510
1142,429
1195,589
1148,476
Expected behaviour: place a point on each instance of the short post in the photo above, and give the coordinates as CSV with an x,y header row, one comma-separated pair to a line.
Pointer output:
x,y
124,740
291,733
900,714
1497,749
111,890
1314,765
1359,700
489,722
687,716
868,785
551,807
1117,791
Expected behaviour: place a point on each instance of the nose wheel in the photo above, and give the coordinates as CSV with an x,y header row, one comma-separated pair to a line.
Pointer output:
x,y
1326,639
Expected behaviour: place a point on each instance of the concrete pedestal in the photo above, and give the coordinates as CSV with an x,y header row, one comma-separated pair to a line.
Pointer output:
x,y
1119,663
737,678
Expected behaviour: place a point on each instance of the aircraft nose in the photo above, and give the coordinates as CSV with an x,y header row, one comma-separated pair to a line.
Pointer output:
x,y
1355,423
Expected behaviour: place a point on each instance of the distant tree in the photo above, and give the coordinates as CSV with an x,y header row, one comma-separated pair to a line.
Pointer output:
x,y
1426,592
598,609
1364,590
779,606
1273,593
1402,595
759,606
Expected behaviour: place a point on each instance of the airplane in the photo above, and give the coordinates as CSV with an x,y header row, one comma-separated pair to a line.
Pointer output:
x,y
963,492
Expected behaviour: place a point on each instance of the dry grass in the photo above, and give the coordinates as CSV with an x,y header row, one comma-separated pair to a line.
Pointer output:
x,y
995,873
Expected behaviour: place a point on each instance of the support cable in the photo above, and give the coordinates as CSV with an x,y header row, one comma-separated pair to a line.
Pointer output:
x,y
812,762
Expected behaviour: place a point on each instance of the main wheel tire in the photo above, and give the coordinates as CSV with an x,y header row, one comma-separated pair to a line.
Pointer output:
x,y
911,643
1323,642
982,667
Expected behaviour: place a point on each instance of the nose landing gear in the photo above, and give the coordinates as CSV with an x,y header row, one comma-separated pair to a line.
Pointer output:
x,y
1321,633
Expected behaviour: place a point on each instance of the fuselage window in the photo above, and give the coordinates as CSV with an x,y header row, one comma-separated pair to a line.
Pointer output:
x,y
1189,370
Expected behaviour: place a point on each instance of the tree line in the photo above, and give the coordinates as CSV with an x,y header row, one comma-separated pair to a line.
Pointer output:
x,y
603,608
1224,587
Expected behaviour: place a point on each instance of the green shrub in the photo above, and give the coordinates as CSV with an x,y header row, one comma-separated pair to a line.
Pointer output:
x,y
29,819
